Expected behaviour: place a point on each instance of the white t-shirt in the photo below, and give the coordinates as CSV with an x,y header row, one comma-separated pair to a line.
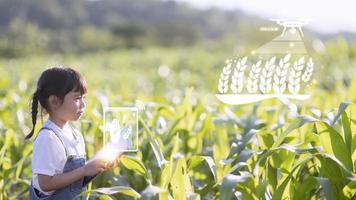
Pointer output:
x,y
49,156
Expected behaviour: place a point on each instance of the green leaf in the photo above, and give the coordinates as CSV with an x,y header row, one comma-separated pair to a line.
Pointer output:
x,y
282,159
349,126
170,167
155,147
346,124
135,165
195,161
202,165
297,123
164,196
238,166
112,190
105,197
266,140
175,148
118,189
333,144
239,147
326,185
193,196
229,183
6,143
151,191
350,189
180,180
278,194
341,109
172,129
335,166
272,176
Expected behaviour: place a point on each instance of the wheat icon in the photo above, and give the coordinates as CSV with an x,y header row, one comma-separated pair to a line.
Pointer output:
x,y
294,76
223,86
266,77
280,77
252,81
237,79
308,71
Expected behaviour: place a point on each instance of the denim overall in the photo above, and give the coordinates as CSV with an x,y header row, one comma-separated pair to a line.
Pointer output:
x,y
71,191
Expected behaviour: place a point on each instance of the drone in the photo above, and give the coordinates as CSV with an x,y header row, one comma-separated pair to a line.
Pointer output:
x,y
296,24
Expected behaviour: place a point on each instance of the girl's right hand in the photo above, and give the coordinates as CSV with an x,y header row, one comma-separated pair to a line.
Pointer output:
x,y
94,167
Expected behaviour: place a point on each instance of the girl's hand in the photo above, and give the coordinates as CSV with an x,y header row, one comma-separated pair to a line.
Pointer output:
x,y
112,164
95,167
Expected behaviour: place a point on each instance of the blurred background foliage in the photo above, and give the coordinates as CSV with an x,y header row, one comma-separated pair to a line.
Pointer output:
x,y
64,26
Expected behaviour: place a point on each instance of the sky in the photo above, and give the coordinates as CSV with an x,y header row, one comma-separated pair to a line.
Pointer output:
x,y
324,16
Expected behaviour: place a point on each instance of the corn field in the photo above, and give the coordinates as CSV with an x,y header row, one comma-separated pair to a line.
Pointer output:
x,y
190,145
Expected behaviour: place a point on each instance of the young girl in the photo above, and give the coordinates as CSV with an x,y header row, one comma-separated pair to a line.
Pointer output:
x,y
58,163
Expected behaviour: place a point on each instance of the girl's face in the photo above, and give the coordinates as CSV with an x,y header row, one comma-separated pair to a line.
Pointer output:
x,y
72,107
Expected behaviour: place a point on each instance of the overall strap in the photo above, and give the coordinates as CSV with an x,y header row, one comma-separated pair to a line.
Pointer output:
x,y
56,134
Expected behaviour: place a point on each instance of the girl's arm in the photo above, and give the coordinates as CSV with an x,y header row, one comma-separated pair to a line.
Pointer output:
x,y
49,183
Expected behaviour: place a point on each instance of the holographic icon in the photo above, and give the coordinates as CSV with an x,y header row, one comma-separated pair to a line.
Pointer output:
x,y
279,69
